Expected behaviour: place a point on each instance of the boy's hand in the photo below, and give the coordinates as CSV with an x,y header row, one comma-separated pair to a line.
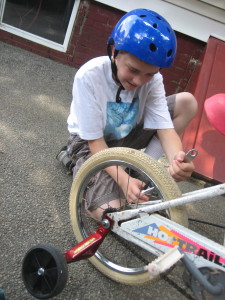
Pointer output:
x,y
180,169
132,190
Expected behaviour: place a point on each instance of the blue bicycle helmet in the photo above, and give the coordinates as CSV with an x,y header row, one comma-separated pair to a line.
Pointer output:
x,y
146,35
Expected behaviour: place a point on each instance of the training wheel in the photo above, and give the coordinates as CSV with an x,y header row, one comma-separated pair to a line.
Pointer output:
x,y
44,271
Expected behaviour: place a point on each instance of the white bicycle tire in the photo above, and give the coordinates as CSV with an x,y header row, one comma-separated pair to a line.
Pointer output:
x,y
155,171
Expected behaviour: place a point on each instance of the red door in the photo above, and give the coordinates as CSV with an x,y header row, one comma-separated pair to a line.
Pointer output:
x,y
200,134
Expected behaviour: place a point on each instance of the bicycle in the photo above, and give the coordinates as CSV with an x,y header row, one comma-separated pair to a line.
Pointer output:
x,y
125,243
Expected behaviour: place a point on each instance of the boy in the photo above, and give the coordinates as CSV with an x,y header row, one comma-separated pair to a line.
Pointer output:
x,y
120,101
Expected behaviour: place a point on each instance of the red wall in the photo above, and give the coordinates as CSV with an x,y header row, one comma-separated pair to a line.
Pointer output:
x,y
93,25
200,134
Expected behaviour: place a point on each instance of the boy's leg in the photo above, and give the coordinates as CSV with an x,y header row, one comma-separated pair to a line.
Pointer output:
x,y
183,108
98,212
102,191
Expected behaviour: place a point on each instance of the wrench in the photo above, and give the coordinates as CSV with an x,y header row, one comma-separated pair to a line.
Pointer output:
x,y
190,155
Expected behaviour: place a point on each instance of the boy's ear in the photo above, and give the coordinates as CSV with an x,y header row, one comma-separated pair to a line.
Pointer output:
x,y
113,53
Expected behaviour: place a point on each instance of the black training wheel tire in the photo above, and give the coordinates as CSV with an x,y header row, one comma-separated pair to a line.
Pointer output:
x,y
44,271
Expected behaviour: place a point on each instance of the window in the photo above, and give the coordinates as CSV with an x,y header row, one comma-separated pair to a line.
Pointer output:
x,y
47,22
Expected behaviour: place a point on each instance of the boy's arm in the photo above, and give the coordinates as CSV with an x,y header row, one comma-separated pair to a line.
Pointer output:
x,y
119,175
173,149
97,145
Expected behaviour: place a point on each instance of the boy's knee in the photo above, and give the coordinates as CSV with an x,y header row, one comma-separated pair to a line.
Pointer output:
x,y
186,103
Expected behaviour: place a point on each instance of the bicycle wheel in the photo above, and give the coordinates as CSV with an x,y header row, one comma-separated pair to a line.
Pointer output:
x,y
116,258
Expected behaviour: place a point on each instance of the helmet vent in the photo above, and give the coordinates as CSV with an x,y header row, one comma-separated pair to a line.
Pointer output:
x,y
155,25
152,47
169,52
158,17
168,29
142,16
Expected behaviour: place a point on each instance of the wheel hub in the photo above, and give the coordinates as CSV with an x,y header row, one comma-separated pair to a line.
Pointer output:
x,y
41,271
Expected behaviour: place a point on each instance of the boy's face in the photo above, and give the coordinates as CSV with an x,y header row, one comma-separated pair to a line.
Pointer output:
x,y
133,72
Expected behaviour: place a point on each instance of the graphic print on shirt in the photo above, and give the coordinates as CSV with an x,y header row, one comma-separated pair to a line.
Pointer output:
x,y
121,119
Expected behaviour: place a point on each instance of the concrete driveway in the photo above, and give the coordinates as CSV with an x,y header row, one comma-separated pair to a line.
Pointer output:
x,y
35,96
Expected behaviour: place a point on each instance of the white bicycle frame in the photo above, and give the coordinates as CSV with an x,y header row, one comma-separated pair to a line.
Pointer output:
x,y
157,234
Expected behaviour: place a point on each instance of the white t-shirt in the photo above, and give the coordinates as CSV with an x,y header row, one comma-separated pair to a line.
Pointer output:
x,y
94,112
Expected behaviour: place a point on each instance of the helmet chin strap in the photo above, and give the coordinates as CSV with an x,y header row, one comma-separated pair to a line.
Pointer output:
x,y
114,68
118,98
